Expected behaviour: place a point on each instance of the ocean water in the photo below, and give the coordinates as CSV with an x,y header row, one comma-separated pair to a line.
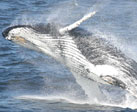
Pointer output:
x,y
33,82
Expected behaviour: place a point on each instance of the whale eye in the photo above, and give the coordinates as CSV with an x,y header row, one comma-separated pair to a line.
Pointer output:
x,y
11,34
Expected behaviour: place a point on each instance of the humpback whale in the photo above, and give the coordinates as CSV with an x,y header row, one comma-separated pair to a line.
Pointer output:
x,y
84,54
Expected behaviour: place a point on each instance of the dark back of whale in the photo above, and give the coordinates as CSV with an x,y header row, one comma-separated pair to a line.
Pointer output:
x,y
99,52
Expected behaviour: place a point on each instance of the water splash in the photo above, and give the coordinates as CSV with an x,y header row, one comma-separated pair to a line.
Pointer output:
x,y
65,99
55,16
126,46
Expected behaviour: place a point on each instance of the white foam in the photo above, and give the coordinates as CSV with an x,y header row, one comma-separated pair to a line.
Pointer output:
x,y
129,102
50,98
129,48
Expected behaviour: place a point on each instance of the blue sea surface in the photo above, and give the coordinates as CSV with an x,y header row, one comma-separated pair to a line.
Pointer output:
x,y
34,82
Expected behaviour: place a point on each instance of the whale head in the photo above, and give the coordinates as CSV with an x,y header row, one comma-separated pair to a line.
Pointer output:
x,y
43,37
37,37
12,32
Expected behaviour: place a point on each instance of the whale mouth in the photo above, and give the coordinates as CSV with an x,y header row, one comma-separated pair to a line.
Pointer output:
x,y
18,39
6,35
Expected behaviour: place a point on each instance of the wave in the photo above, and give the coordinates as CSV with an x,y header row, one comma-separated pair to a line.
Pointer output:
x,y
51,99
55,99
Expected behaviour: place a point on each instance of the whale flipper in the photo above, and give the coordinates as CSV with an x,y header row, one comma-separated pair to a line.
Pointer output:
x,y
114,81
77,23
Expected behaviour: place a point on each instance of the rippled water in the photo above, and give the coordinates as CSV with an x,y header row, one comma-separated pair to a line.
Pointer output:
x,y
33,82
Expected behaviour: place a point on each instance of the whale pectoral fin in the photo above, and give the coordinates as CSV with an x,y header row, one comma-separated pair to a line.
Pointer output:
x,y
114,81
77,23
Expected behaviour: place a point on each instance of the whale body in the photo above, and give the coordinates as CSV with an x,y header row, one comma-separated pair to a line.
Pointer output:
x,y
84,54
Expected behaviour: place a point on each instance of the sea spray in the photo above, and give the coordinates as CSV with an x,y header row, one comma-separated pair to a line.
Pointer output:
x,y
87,92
